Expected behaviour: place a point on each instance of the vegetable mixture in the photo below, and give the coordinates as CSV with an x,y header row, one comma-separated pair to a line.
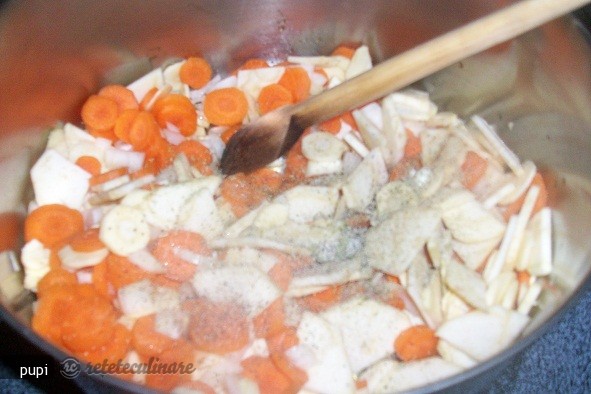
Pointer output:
x,y
392,246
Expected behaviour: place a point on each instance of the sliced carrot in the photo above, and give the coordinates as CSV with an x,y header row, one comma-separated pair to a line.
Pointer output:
x,y
225,107
195,72
198,155
143,131
89,164
252,64
165,379
99,113
55,277
268,377
121,272
123,124
361,384
51,308
124,97
271,320
266,180
239,192
297,81
167,248
107,176
404,166
295,163
332,125
146,340
101,282
272,97
322,300
281,275
113,350
159,154
473,169
11,230
108,134
86,241
278,344
52,223
89,325
413,147
177,110
229,133
343,50
523,277
217,327
415,343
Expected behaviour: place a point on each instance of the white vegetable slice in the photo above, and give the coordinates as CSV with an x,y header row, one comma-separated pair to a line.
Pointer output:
x,y
136,298
368,342
56,180
171,322
503,290
172,78
453,306
540,226
124,230
146,261
360,62
253,81
141,86
307,203
244,285
14,173
328,274
529,300
395,196
250,256
413,104
393,131
117,158
323,147
393,244
496,261
356,144
467,219
465,283
200,215
35,259
520,183
363,183
474,254
164,204
75,260
522,220
331,372
453,355
424,287
389,376
272,215
370,123
315,168
497,143
481,335
325,62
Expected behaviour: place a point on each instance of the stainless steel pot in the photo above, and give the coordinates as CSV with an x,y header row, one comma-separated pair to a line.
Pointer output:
x,y
536,90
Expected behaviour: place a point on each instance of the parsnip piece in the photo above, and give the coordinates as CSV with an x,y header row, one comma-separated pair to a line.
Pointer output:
x,y
363,183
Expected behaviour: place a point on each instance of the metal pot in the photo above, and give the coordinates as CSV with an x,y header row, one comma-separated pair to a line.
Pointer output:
x,y
536,90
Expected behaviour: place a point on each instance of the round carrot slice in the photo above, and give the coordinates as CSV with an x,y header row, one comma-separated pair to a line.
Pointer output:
x,y
100,112
177,110
415,343
124,97
195,72
274,96
225,107
52,223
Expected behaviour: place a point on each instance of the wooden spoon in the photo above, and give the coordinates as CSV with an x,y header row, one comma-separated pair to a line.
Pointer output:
x,y
270,136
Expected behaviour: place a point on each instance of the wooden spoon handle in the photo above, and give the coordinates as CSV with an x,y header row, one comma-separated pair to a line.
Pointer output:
x,y
432,56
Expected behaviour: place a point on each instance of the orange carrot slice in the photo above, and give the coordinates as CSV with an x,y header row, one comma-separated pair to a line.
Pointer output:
x,y
195,72
167,248
124,97
177,110
473,169
53,223
271,320
89,164
272,97
99,113
297,81
217,327
198,155
225,107
415,343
